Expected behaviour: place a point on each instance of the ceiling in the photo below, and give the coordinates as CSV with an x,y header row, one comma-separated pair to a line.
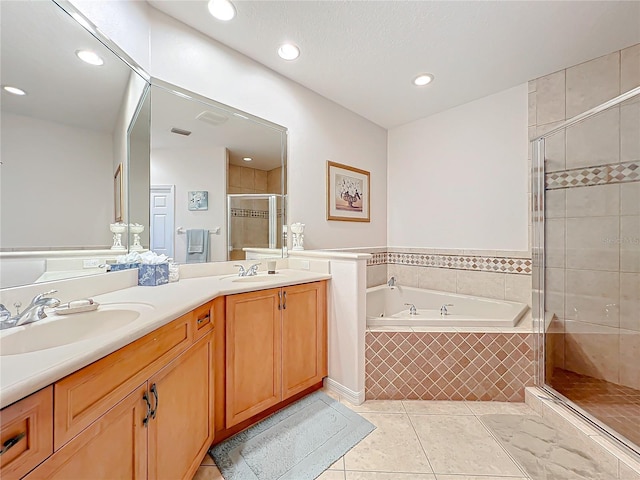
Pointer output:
x,y
241,136
364,54
39,41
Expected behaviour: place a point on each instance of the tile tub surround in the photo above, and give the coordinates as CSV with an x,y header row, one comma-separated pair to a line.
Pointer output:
x,y
448,365
502,275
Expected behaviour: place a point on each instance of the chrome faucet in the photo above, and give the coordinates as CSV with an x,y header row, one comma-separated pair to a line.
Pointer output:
x,y
249,272
443,308
392,281
32,313
412,310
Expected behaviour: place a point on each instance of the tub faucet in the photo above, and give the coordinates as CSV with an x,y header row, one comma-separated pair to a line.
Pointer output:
x,y
443,308
32,313
412,310
392,281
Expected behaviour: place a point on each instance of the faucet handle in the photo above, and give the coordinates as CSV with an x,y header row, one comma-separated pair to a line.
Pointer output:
x,y
39,297
412,310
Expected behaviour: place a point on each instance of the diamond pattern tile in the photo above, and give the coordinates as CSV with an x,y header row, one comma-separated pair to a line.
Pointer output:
x,y
600,175
448,366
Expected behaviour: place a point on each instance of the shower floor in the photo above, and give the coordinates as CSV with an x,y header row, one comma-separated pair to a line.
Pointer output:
x,y
614,405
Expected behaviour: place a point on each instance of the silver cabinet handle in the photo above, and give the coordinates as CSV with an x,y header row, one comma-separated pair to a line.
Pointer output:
x,y
200,321
279,300
284,303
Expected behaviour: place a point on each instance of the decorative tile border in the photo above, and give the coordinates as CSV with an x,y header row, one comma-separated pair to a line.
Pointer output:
x,y
448,366
588,176
457,262
245,212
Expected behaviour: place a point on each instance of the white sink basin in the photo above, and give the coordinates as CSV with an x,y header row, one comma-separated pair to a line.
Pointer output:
x,y
258,278
58,330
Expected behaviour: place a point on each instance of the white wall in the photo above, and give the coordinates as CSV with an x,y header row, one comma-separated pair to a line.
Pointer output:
x,y
319,130
192,170
458,179
69,167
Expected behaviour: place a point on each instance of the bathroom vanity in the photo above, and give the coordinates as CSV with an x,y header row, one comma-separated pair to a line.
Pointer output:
x,y
153,407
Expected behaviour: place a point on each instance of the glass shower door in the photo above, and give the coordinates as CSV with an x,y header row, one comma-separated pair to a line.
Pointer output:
x,y
252,223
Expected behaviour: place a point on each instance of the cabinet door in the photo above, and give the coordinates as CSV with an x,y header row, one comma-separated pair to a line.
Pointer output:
x,y
253,348
304,337
180,429
114,446
26,433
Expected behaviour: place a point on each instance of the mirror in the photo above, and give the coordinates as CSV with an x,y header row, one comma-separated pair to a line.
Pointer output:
x,y
213,168
64,147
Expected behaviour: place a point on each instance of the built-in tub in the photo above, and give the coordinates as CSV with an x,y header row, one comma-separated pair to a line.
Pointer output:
x,y
386,307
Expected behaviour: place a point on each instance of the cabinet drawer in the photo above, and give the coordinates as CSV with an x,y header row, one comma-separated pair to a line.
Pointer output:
x,y
84,396
204,316
29,423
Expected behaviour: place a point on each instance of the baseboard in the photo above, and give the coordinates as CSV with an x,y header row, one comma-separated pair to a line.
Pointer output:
x,y
352,396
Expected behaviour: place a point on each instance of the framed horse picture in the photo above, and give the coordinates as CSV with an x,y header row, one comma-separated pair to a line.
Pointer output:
x,y
348,193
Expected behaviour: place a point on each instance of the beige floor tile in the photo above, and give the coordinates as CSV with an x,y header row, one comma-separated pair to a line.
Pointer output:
x,y
338,465
472,477
208,473
436,407
377,406
389,476
461,445
392,447
332,475
208,460
330,393
490,408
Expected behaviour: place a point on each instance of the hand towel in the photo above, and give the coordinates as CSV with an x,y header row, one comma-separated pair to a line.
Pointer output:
x,y
195,241
193,255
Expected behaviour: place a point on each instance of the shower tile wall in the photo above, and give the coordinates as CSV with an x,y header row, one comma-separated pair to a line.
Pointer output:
x,y
592,217
249,222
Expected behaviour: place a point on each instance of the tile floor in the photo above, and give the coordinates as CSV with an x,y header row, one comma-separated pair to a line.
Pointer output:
x,y
615,405
421,440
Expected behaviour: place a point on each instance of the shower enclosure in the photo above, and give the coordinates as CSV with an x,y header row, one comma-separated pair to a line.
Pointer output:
x,y
254,222
586,256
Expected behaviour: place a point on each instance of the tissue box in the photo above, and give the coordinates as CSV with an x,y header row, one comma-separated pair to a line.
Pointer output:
x,y
152,275
115,267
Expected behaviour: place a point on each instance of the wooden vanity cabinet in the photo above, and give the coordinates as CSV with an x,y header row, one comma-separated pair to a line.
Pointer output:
x,y
160,427
276,347
26,435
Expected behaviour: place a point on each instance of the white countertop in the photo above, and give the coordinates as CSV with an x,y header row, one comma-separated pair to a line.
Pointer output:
x,y
25,373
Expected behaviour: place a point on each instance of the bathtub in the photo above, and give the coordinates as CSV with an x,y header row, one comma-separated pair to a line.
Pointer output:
x,y
386,307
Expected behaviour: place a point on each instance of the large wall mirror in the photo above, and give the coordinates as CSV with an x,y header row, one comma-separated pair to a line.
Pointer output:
x,y
90,141
217,180
65,130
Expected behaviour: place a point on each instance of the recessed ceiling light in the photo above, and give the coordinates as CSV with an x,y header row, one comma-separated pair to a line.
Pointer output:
x,y
222,9
14,90
90,57
247,159
423,79
288,51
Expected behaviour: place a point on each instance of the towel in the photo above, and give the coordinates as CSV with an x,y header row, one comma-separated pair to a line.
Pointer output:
x,y
195,241
197,246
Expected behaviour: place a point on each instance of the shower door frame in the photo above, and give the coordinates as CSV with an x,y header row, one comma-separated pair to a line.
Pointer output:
x,y
538,269
273,215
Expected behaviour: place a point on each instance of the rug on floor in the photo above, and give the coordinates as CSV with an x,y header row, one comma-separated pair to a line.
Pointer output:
x,y
297,443
547,453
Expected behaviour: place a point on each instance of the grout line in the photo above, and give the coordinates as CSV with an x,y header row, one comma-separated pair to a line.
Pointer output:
x,y
420,442
497,440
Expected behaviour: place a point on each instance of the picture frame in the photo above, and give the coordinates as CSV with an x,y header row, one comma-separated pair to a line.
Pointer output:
x,y
118,194
199,200
348,193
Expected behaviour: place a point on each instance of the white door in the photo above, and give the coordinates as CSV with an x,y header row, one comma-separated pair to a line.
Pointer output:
x,y
162,219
